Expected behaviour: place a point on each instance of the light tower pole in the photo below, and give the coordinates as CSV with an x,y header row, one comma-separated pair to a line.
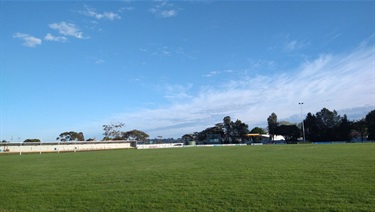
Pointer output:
x,y
303,124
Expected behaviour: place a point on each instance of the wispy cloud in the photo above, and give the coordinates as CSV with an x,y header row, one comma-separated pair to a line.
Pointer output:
x,y
214,73
262,65
289,43
333,81
168,13
99,61
164,9
123,9
163,51
28,40
177,92
97,15
95,60
158,50
67,29
51,37
295,45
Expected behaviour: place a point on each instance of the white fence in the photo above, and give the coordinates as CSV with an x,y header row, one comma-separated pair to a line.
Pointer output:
x,y
64,146
157,146
208,145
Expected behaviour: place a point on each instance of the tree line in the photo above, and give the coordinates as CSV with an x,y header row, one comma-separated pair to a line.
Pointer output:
x,y
225,132
111,132
324,125
327,125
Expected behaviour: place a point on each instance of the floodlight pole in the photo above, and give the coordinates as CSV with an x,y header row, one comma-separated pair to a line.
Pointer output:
x,y
303,124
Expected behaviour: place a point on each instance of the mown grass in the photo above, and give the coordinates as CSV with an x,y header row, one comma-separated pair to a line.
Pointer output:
x,y
247,178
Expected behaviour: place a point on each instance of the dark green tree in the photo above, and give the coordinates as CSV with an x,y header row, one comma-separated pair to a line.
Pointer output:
x,y
327,125
188,137
113,131
71,136
228,130
257,130
272,124
343,130
290,132
370,123
360,128
216,131
240,131
32,140
312,130
135,135
234,132
327,122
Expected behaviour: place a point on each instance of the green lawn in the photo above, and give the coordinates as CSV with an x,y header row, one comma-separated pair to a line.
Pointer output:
x,y
337,177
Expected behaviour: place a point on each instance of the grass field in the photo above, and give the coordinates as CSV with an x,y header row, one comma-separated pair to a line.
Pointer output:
x,y
333,177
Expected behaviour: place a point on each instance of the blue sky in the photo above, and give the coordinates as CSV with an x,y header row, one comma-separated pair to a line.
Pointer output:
x,y
174,67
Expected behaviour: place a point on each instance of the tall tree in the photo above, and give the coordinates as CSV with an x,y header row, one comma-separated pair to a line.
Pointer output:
x,y
258,130
312,130
216,132
240,131
228,130
327,125
272,124
343,130
370,122
327,122
135,135
225,132
360,128
113,131
290,132
71,136
188,137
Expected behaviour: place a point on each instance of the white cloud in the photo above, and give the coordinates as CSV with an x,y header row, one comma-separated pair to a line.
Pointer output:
x,y
168,13
105,15
122,9
67,29
51,37
177,92
164,9
163,51
214,73
295,45
291,45
96,60
28,40
332,81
